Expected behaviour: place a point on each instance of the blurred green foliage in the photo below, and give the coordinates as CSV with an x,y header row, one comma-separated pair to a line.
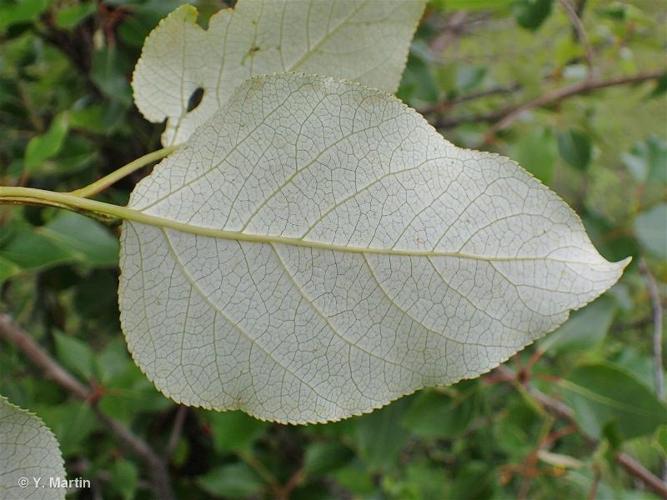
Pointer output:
x,y
66,118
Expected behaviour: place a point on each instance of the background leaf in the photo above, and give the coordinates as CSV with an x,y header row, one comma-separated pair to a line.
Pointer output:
x,y
602,395
530,14
48,145
67,238
365,41
234,481
536,151
575,148
651,229
585,329
29,455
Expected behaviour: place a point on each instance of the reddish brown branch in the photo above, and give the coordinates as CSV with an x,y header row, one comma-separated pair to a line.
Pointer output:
x,y
500,90
285,492
656,305
177,429
634,468
504,117
445,105
13,334
52,370
581,35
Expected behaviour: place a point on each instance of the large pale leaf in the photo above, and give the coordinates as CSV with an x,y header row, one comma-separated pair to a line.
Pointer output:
x,y
364,40
29,456
329,252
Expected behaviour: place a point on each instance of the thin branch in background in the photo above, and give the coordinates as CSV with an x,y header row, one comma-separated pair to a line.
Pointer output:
x,y
445,105
636,469
177,429
509,115
10,332
564,412
157,468
656,305
261,470
285,492
451,31
593,493
504,117
499,90
529,468
581,35
658,367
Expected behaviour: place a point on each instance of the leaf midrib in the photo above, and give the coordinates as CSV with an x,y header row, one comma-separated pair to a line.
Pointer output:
x,y
152,220
78,203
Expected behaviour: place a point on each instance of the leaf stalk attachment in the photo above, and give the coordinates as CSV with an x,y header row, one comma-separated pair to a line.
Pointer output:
x,y
106,181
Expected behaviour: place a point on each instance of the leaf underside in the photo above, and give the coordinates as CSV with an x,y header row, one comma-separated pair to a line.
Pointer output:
x,y
382,258
28,451
363,40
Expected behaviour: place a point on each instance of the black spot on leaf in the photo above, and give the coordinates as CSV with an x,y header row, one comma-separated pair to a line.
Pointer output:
x,y
195,98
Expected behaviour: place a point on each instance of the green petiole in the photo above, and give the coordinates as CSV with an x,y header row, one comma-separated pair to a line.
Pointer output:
x,y
106,181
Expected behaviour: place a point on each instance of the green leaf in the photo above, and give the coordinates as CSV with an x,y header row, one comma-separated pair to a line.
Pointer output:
x,y
113,361
474,480
379,437
418,85
234,430
536,151
86,240
29,456
603,394
30,250
647,161
125,478
323,458
69,16
584,330
434,415
355,479
72,423
469,77
640,364
67,238
75,355
472,5
128,392
369,258
530,14
660,439
519,423
109,72
426,481
615,10
365,41
8,268
76,154
575,148
21,11
651,230
235,481
97,119
48,145
660,86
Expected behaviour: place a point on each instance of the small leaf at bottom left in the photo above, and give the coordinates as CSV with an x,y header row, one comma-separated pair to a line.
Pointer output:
x,y
29,456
